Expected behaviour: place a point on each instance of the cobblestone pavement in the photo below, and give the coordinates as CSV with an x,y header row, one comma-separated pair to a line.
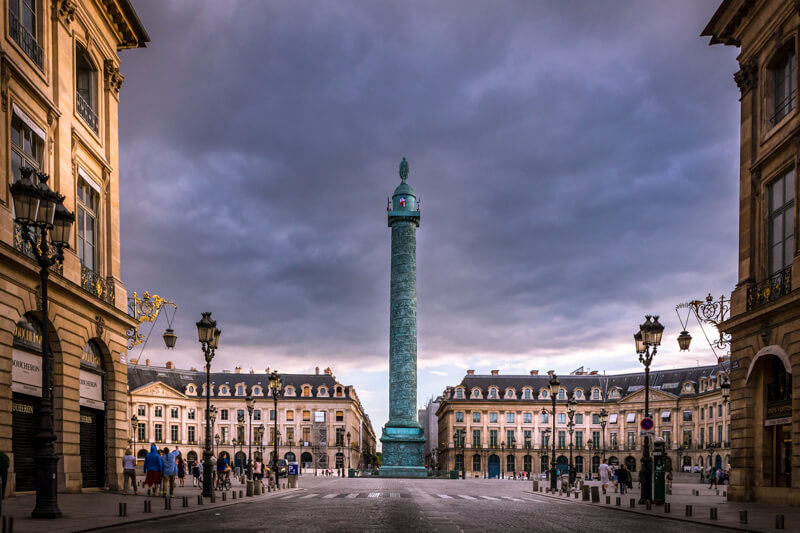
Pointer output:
x,y
333,504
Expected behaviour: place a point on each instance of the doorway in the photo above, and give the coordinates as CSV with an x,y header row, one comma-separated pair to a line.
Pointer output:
x,y
494,466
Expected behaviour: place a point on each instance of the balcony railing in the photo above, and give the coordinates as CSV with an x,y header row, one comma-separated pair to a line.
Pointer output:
x,y
769,290
94,284
25,40
85,110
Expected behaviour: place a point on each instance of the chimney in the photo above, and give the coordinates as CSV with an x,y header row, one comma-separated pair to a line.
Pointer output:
x,y
495,372
593,373
147,362
316,369
470,372
238,369
193,369
134,361
170,365
266,371
551,372
328,371
252,371
534,372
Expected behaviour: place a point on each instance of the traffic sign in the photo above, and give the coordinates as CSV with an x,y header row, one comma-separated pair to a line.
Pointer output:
x,y
647,423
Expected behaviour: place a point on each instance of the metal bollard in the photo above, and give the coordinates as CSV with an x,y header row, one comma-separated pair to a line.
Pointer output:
x,y
778,521
724,493
633,503
199,499
712,513
240,494
608,500
167,503
123,509
717,492
688,510
224,496
666,507
8,524
185,501
233,494
647,504
742,517
619,501
213,497
147,506
577,494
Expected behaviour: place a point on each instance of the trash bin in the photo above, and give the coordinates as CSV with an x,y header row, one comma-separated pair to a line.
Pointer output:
x,y
294,470
351,472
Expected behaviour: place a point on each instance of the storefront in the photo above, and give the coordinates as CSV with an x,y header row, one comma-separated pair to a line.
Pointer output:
x,y
92,417
26,388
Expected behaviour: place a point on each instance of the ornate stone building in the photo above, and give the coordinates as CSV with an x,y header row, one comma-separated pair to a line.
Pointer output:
x,y
490,425
765,310
59,97
321,423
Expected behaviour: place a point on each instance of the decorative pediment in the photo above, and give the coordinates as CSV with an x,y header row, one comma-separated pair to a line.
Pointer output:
x,y
159,389
655,395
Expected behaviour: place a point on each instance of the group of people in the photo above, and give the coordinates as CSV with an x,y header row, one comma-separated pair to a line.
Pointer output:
x,y
619,475
715,476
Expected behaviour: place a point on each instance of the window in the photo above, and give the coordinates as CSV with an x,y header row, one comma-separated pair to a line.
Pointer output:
x,y
595,394
613,440
578,393
631,439
562,439
476,393
702,436
667,436
493,438
257,391
511,438
579,439
493,418
173,412
543,393
666,416
781,223
190,389
526,394
272,415
476,438
340,416
476,463
459,393
240,414
306,416
173,433
527,437
88,200
562,418
290,416
562,394
702,413
509,418
157,411
24,28
239,390
492,393
27,145
527,418
141,410
290,435
596,418
545,417
306,390
596,439
86,87
545,439
339,437
322,391
710,412
159,432
306,434
510,393
190,433
579,418
630,418
687,415
223,414
687,437
476,416
719,410
257,415
612,418
459,416
782,77
719,434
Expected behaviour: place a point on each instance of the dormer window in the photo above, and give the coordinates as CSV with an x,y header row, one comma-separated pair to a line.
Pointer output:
x,y
223,390
526,394
476,393
289,391
543,393
257,390
190,389
339,392
306,390
240,390
459,393
322,391
595,394
492,393
510,393
781,85
562,394
86,88
578,394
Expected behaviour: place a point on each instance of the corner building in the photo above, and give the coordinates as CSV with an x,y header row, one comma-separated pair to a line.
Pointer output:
x,y
315,415
493,425
765,305
59,96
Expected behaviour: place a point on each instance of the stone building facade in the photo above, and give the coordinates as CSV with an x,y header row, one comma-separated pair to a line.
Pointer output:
x,y
493,425
59,97
764,321
315,415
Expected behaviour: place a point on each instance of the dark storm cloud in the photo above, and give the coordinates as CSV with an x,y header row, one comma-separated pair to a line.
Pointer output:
x,y
576,163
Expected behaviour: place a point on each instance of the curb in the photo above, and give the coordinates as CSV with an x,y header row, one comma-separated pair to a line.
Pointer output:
x,y
182,511
669,516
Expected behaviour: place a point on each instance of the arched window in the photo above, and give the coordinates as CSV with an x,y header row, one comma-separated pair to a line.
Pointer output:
x,y
322,391
86,87
526,394
240,390
562,394
595,394
476,393
306,390
459,393
492,393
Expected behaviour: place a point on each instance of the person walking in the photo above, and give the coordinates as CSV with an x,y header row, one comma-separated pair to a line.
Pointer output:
x,y
129,472
170,470
195,473
258,474
605,472
222,468
153,467
712,478
623,476
181,471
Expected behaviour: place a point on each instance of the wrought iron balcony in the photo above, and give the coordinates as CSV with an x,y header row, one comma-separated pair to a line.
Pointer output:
x,y
94,284
85,110
25,40
769,290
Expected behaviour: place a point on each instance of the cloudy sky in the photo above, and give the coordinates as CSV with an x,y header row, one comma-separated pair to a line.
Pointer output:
x,y
576,163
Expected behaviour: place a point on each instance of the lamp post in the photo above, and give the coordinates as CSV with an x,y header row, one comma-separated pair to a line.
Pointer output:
x,y
134,426
571,404
208,335
348,452
212,415
648,336
512,445
250,402
260,439
216,452
239,438
546,444
502,460
275,384
40,211
554,388
603,421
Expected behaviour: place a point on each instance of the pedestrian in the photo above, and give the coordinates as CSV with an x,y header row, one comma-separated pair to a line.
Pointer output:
x,y
129,471
170,470
181,471
222,468
669,479
604,471
258,474
195,473
712,478
622,476
153,467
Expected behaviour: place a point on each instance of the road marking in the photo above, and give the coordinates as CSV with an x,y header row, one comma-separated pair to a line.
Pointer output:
x,y
289,497
445,497
352,495
307,496
512,498
466,497
394,494
330,496
490,498
374,495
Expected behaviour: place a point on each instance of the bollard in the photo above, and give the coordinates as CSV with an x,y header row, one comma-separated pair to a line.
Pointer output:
x,y
669,491
778,521
199,499
647,505
608,500
257,489
633,503
595,494
666,507
185,501
123,509
724,493
585,492
717,492
619,501
712,513
233,495
8,524
224,496
688,510
742,517
213,497
147,506
577,494
240,494
167,503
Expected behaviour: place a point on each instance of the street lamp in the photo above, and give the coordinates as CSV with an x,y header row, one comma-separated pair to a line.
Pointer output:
x,y
546,444
275,384
571,405
39,210
726,389
216,439
603,421
250,402
260,439
502,460
134,426
208,335
648,336
555,385
239,435
348,452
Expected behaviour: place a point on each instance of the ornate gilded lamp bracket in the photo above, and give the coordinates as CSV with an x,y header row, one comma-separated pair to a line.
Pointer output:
x,y
711,313
147,309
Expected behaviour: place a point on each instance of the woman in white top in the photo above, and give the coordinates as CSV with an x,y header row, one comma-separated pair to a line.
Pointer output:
x,y
605,471
129,471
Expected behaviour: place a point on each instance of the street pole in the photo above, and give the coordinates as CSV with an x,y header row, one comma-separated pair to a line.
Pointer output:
x,y
349,453
554,389
648,336
275,383
208,334
250,403
502,460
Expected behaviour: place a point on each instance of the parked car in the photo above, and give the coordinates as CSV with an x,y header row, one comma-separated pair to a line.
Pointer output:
x,y
283,468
